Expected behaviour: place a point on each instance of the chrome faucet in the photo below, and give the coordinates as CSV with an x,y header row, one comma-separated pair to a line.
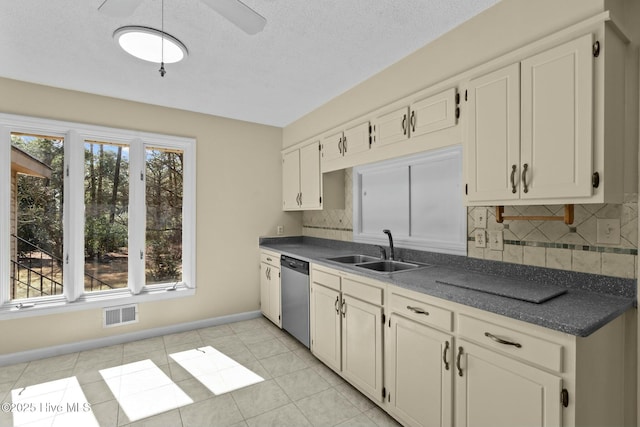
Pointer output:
x,y
391,252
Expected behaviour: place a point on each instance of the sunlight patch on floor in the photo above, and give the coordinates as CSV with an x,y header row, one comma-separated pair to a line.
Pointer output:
x,y
216,371
54,403
143,390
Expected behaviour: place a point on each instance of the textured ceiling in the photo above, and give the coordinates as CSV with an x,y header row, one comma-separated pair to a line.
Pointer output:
x,y
309,52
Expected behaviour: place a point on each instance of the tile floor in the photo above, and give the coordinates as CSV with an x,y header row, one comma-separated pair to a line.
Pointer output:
x,y
297,389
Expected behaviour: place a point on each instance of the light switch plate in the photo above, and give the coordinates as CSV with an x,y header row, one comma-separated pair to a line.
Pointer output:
x,y
481,239
280,230
496,241
608,231
480,217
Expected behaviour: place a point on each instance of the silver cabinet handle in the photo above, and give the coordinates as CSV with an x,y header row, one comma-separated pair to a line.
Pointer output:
x,y
337,305
501,341
413,121
417,310
513,178
445,359
340,145
300,199
344,308
460,351
404,124
344,144
524,177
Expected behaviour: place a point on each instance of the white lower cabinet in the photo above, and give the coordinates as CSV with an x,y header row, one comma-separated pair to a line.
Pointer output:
x,y
494,390
326,343
418,373
362,345
431,362
347,328
270,286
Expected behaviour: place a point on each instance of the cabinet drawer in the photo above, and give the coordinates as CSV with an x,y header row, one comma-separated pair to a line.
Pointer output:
x,y
535,350
412,309
362,291
272,258
326,279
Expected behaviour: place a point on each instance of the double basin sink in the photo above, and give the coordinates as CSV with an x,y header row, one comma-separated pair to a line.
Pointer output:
x,y
376,264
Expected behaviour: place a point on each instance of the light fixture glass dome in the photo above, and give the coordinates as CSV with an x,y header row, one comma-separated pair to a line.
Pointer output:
x,y
146,43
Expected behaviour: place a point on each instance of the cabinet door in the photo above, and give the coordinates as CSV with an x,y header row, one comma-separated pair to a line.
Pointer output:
x,y
419,373
264,289
310,176
433,113
356,139
493,140
557,108
325,325
332,147
291,180
274,296
362,345
497,391
392,127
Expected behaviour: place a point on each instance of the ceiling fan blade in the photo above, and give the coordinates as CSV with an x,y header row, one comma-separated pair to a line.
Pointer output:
x,y
119,8
238,13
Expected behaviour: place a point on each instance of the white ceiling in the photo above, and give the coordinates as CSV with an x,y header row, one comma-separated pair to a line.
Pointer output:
x,y
309,52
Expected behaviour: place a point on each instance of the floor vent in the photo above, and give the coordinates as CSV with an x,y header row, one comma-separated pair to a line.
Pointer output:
x,y
121,315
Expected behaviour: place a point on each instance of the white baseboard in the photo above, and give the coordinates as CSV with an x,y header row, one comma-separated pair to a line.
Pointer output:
x,y
40,353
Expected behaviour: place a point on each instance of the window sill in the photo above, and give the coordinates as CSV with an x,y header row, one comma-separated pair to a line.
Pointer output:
x,y
55,305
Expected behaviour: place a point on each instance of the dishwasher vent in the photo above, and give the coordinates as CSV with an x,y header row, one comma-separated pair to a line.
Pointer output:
x,y
121,315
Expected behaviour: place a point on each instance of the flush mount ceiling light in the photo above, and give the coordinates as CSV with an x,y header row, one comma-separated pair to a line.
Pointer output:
x,y
150,44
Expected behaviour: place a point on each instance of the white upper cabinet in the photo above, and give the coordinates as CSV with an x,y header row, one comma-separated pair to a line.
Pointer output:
x,y
492,148
341,149
538,129
423,121
391,127
425,115
556,133
301,179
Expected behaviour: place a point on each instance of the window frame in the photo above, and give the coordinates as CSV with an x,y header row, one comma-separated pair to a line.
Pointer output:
x,y
74,297
457,245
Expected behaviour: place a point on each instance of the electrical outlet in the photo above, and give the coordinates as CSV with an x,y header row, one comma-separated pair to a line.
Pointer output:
x,y
481,239
608,231
280,230
480,217
496,243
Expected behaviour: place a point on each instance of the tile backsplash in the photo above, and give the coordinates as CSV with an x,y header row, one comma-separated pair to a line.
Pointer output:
x,y
554,244
336,224
551,244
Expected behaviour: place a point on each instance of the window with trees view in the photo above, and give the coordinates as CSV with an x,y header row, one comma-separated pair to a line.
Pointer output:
x,y
89,211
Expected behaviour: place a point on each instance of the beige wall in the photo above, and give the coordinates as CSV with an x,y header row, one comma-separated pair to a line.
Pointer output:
x,y
504,27
238,199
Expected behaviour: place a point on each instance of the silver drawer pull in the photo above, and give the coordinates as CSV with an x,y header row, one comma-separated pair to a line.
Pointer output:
x,y
417,310
501,341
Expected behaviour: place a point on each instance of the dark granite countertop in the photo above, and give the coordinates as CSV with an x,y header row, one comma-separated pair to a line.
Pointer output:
x,y
589,301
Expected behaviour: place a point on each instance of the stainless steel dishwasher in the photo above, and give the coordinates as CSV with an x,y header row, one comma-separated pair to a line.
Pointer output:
x,y
295,298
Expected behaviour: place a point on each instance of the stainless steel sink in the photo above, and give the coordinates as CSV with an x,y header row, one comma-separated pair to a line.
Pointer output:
x,y
354,259
389,266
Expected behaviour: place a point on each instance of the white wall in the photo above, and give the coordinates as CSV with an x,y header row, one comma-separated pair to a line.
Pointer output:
x,y
238,199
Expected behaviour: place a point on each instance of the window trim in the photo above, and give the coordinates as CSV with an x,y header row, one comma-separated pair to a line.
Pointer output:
x,y
75,135
457,246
